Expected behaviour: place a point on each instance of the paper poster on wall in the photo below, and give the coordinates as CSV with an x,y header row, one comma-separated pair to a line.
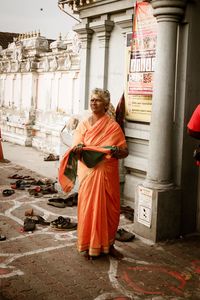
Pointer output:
x,y
145,196
139,86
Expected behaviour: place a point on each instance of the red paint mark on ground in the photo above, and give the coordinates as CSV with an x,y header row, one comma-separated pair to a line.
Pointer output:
x,y
196,266
4,271
138,288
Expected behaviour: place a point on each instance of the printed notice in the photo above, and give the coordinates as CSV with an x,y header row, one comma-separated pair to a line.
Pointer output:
x,y
145,196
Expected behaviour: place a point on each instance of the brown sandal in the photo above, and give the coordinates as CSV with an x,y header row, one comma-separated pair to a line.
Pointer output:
x,y
51,157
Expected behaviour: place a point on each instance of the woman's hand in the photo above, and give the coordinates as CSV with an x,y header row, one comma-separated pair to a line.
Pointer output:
x,y
78,150
119,152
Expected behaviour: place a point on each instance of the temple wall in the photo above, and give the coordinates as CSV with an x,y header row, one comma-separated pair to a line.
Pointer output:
x,y
39,90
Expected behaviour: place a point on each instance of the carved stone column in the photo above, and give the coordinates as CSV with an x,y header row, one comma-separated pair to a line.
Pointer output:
x,y
85,35
103,30
157,200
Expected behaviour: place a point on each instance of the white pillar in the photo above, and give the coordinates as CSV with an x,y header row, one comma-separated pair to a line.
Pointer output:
x,y
103,30
159,172
85,35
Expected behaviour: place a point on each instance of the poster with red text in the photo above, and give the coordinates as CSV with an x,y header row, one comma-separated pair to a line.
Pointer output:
x,y
139,86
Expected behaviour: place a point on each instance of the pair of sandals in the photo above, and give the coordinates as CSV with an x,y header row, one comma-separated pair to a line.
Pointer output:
x,y
39,191
30,223
20,184
70,201
63,224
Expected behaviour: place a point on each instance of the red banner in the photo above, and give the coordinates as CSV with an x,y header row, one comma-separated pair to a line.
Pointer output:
x,y
142,64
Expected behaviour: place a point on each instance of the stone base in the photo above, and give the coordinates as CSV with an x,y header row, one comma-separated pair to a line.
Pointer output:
x,y
15,138
157,213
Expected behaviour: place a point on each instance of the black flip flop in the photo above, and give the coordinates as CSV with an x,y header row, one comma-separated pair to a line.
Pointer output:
x,y
57,202
2,238
8,192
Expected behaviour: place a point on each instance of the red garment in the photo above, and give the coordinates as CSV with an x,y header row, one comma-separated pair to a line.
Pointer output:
x,y
194,126
194,123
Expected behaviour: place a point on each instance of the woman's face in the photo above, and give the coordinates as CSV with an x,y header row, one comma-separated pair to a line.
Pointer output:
x,y
97,104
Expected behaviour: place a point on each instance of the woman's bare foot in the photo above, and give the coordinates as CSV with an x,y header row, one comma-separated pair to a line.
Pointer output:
x,y
114,253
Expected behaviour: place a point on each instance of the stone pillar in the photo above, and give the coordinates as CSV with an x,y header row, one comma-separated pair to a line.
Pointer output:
x,y
103,29
159,172
157,200
85,35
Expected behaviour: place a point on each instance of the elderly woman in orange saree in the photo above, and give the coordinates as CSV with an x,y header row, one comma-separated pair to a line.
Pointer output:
x,y
99,190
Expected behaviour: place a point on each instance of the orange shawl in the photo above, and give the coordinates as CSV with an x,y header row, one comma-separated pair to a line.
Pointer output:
x,y
99,191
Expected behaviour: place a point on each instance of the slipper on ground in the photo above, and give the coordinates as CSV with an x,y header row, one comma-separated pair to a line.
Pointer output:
x,y
63,224
2,238
8,192
124,236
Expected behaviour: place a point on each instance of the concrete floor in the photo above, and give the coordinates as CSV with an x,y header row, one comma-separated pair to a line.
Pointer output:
x,y
45,265
30,158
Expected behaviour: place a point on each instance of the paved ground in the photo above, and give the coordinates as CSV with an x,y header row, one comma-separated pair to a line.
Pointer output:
x,y
45,265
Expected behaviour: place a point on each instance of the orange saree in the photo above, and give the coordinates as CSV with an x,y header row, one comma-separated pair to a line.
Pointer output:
x,y
99,191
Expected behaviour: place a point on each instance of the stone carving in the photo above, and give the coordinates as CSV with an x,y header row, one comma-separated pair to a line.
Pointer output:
x,y
58,45
17,66
30,51
76,44
19,53
46,64
54,64
67,62
28,65
8,69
